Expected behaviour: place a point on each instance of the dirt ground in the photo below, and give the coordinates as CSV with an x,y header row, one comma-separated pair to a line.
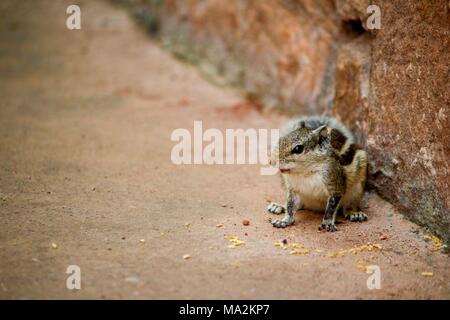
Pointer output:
x,y
85,174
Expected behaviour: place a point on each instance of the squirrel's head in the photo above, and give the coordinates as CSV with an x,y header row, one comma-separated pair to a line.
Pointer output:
x,y
301,151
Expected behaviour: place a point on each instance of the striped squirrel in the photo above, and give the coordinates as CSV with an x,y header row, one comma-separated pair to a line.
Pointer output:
x,y
322,169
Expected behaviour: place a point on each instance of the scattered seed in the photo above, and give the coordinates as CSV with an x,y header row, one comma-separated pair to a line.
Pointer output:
x,y
332,254
142,240
427,274
437,242
220,225
361,265
235,241
278,244
186,256
54,245
299,251
383,237
364,248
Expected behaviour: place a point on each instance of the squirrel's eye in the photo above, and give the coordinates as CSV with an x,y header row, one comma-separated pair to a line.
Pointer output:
x,y
297,149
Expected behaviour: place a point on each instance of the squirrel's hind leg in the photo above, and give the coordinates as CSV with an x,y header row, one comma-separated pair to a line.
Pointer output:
x,y
353,212
355,215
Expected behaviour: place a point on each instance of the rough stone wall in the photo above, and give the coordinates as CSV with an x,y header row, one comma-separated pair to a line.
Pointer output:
x,y
407,123
391,86
277,51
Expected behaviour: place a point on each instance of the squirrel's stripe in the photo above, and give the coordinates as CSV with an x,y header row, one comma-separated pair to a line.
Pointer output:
x,y
337,139
349,154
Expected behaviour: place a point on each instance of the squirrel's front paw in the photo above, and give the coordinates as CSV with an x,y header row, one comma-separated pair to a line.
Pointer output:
x,y
328,225
283,223
275,208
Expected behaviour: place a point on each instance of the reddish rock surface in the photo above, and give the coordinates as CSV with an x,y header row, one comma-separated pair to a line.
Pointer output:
x,y
391,85
407,120
278,51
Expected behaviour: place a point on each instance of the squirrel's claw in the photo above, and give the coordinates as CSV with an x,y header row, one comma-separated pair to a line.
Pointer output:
x,y
357,216
275,208
283,223
329,226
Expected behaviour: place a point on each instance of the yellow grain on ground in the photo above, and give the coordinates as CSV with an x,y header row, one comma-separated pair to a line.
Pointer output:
x,y
299,251
234,241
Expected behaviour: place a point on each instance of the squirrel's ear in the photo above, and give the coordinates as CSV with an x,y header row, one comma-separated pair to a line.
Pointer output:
x,y
321,131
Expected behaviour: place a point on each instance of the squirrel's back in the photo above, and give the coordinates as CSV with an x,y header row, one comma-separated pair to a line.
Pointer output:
x,y
314,122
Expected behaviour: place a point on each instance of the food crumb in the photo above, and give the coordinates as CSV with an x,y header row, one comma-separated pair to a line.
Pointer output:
x,y
361,265
235,241
278,244
299,251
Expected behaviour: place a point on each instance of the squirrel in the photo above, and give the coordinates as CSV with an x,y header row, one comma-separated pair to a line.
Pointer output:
x,y
322,168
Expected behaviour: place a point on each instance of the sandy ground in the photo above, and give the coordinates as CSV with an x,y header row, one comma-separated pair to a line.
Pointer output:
x,y
85,124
